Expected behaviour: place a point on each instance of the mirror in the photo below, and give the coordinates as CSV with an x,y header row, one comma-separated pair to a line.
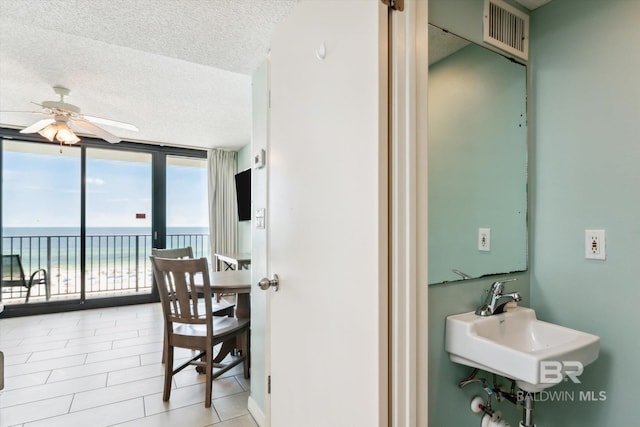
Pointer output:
x,y
477,160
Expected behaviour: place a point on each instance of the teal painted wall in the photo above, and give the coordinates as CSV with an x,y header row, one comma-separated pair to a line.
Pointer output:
x,y
586,174
448,405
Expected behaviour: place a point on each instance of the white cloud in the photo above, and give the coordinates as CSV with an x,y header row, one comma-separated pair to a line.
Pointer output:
x,y
96,181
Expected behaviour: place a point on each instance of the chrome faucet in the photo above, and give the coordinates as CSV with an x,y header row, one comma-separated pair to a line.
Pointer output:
x,y
461,274
496,300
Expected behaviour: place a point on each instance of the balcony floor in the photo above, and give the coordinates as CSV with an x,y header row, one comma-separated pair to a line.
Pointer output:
x,y
102,368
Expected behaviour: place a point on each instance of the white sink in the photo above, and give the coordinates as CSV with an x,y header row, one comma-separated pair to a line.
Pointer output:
x,y
516,345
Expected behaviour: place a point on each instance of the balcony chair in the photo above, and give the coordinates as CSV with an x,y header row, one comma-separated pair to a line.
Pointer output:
x,y
190,325
13,275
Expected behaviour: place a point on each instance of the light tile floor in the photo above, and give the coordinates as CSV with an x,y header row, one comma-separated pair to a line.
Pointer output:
x,y
102,368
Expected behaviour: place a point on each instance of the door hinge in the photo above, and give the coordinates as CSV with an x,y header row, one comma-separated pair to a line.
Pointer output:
x,y
269,384
394,4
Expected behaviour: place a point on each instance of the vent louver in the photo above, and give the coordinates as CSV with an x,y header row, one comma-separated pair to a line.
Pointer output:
x,y
506,28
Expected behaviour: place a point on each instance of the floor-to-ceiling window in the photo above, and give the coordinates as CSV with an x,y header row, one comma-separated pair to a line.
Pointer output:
x,y
118,188
89,215
41,218
187,207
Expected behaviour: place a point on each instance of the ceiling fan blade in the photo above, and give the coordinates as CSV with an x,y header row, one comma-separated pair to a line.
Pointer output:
x,y
99,132
113,123
37,126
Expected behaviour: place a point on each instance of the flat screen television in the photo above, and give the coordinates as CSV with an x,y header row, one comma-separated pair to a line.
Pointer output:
x,y
243,195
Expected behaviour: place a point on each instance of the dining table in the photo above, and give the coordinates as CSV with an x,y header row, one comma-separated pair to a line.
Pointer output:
x,y
236,282
233,261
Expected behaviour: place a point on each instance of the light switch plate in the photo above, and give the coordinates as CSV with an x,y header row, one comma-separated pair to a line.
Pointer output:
x,y
260,218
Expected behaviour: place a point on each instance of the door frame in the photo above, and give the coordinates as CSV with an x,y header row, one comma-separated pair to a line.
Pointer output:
x,y
408,73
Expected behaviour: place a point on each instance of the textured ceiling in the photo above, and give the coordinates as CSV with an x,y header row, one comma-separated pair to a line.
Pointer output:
x,y
180,70
443,43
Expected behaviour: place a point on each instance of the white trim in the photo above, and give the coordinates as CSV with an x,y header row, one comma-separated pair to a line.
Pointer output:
x,y
256,412
408,222
421,55
384,225
402,172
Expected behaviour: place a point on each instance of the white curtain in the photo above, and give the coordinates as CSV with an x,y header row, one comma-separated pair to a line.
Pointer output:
x,y
223,209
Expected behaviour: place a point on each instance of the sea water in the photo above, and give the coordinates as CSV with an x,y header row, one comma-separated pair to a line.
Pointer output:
x,y
117,258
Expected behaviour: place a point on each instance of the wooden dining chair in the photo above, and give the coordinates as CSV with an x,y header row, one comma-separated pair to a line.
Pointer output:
x,y
186,252
219,307
191,325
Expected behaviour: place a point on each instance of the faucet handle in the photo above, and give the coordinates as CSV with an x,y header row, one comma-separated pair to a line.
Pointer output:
x,y
498,286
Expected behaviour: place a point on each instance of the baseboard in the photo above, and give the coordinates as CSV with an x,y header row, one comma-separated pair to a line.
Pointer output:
x,y
256,412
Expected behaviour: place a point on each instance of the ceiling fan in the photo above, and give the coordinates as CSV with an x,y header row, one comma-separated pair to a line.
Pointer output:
x,y
62,117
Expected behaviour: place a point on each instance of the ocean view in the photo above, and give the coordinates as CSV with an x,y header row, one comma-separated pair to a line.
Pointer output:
x,y
95,231
116,260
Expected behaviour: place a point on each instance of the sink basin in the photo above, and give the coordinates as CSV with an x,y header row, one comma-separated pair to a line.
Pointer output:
x,y
516,345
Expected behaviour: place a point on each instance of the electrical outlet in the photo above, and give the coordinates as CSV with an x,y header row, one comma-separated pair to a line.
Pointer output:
x,y
594,244
484,239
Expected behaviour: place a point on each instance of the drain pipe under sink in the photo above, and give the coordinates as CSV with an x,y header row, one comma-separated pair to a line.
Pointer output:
x,y
527,411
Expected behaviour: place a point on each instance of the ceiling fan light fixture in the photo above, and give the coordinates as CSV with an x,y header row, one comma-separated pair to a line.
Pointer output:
x,y
61,114
49,132
60,132
66,135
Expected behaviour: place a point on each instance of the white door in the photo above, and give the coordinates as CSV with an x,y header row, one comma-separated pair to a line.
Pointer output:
x,y
327,216
259,401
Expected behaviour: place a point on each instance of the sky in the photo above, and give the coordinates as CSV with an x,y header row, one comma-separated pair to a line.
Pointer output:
x,y
43,190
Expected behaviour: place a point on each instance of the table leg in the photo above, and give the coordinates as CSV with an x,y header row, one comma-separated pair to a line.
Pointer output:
x,y
243,306
227,347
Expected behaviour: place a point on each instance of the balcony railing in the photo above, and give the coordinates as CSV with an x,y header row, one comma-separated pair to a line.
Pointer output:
x,y
114,264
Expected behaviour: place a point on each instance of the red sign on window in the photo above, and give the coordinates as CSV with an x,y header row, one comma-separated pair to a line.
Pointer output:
x,y
141,216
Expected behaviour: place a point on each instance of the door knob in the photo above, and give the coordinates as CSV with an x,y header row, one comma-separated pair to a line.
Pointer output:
x,y
265,283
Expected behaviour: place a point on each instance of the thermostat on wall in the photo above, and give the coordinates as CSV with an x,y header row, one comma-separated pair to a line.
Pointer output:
x,y
258,159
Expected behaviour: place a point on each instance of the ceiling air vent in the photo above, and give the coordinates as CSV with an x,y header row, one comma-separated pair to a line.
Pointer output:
x,y
506,28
